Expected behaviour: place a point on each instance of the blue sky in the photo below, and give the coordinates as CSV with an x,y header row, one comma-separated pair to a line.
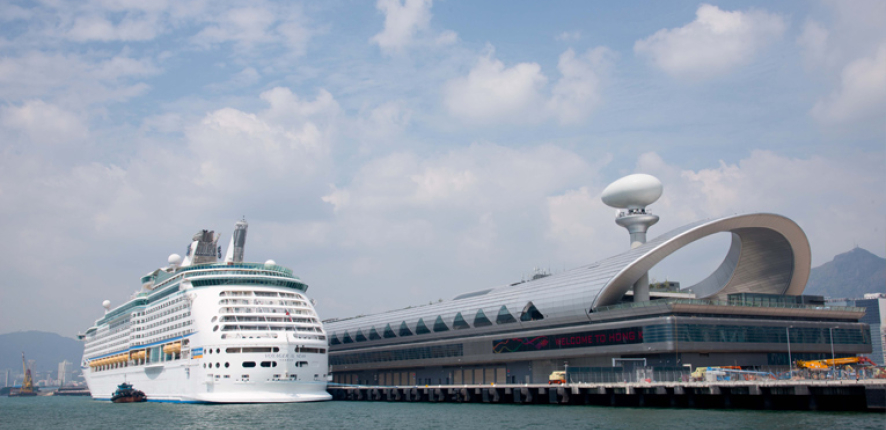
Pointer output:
x,y
394,153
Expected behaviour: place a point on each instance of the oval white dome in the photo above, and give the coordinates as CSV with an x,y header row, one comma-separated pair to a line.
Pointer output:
x,y
106,304
174,260
633,191
270,263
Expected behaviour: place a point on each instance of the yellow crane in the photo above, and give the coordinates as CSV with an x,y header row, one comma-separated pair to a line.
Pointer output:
x,y
826,364
27,388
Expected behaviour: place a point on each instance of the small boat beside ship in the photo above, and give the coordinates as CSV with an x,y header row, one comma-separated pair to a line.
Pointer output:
x,y
126,394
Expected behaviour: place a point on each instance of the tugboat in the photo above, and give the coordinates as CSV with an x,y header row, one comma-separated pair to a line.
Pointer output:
x,y
126,394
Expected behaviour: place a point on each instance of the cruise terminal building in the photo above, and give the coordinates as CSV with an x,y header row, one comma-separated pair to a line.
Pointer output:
x,y
749,312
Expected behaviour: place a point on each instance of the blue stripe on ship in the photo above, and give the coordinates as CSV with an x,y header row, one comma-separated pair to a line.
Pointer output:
x,y
133,348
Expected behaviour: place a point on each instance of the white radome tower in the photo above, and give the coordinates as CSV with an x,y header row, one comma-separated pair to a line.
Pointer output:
x,y
634,193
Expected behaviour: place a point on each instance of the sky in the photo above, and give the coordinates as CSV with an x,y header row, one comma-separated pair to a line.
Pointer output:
x,y
394,153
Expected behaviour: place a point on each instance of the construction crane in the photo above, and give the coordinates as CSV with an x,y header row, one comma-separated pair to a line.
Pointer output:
x,y
27,388
826,364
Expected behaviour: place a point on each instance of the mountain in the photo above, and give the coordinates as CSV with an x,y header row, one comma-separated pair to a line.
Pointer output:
x,y
48,349
849,275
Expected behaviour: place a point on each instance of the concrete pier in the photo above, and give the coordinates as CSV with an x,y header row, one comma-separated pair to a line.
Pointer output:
x,y
869,395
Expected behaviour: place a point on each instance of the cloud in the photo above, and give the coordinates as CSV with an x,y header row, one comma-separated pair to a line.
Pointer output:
x,y
569,36
402,21
861,95
44,124
578,92
100,28
492,92
714,44
77,79
850,49
249,27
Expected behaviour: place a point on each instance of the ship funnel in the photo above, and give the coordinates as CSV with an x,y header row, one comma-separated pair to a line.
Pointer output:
x,y
238,243
204,249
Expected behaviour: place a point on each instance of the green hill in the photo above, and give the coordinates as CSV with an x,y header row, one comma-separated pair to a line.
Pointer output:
x,y
48,349
849,275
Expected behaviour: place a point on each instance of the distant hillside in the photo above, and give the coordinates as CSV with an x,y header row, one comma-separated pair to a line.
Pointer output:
x,y
49,349
851,275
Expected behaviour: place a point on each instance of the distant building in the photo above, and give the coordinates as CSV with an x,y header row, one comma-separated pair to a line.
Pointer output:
x,y
875,316
6,384
64,369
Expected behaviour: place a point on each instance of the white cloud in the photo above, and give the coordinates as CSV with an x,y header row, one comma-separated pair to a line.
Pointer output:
x,y
814,42
714,44
77,79
98,27
492,92
402,21
577,93
380,126
569,36
862,93
44,124
849,48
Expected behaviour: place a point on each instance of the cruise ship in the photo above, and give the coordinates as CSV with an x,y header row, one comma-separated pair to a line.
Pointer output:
x,y
209,330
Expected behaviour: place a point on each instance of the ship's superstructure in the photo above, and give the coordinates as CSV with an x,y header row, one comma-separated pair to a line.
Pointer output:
x,y
204,331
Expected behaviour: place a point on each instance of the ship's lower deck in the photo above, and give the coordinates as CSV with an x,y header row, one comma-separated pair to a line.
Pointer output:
x,y
220,377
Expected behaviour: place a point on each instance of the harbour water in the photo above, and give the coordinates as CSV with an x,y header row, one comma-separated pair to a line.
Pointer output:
x,y
85,413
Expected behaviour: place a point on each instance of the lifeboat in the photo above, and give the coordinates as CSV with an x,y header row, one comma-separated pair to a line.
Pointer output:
x,y
172,348
138,355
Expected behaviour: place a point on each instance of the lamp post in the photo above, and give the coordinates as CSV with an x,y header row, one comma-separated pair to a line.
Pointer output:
x,y
790,362
833,356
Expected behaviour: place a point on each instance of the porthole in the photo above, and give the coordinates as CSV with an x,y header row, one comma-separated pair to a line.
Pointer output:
x,y
227,365
248,364
215,328
265,364
214,319
217,350
217,365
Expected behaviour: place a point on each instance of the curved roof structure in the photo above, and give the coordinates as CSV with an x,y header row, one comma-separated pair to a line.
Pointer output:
x,y
769,254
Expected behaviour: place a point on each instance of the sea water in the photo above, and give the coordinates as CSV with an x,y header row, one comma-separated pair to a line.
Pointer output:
x,y
85,413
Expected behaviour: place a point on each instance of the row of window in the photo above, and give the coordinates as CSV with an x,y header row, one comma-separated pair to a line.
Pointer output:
x,y
751,334
530,313
265,349
260,294
421,353
285,283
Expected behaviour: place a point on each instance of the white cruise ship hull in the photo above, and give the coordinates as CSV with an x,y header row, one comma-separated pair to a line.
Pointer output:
x,y
189,382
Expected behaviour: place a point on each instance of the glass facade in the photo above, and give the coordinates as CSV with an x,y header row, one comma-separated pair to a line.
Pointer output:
x,y
459,323
389,333
439,325
422,353
504,316
421,328
480,319
754,334
530,313
620,336
404,330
